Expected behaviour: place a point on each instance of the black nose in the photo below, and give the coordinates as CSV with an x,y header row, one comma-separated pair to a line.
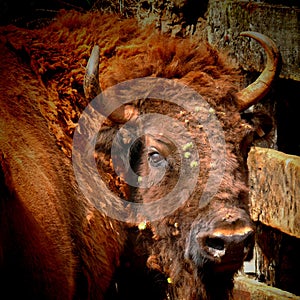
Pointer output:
x,y
227,245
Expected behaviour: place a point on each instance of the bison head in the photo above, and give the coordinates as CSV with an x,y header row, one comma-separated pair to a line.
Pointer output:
x,y
170,148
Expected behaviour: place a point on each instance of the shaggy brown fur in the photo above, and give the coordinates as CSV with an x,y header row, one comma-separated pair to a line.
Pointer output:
x,y
53,243
41,76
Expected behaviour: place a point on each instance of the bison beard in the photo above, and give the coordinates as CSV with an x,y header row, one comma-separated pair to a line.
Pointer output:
x,y
195,247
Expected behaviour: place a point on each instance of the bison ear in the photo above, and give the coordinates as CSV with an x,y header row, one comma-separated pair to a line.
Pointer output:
x,y
262,133
92,89
124,114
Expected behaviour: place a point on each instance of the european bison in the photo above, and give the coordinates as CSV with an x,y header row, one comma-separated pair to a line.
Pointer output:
x,y
55,243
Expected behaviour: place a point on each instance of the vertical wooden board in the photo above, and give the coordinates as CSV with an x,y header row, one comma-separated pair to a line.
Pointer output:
x,y
226,19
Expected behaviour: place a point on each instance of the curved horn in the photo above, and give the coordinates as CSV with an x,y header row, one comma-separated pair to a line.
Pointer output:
x,y
91,84
91,87
259,88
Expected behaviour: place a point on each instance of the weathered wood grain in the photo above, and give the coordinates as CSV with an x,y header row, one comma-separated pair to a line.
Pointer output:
x,y
250,289
226,19
274,179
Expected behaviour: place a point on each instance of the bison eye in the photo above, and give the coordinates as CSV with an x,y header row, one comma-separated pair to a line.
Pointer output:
x,y
156,159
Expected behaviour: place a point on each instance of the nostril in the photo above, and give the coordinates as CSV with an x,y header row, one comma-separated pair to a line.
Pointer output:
x,y
249,240
248,243
215,243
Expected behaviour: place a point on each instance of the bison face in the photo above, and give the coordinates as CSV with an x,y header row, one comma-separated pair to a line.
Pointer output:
x,y
214,233
203,241
197,224
182,164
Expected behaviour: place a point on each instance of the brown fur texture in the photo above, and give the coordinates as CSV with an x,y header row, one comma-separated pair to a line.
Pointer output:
x,y
53,243
68,249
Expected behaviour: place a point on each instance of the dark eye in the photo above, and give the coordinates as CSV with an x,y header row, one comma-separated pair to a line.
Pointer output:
x,y
156,159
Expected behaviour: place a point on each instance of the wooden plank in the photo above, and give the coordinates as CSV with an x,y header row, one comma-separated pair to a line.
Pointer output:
x,y
227,18
274,180
250,289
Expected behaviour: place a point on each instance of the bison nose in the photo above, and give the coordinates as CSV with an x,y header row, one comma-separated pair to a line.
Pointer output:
x,y
227,246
